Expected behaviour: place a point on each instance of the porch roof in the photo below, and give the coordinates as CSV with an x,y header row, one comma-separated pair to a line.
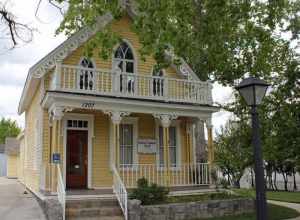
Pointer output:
x,y
68,100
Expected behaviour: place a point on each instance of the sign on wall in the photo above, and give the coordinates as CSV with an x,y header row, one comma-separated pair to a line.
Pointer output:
x,y
147,146
56,158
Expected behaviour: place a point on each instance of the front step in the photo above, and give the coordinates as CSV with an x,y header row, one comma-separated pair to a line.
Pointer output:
x,y
93,209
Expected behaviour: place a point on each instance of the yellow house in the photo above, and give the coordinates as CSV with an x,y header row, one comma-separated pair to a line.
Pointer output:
x,y
12,149
99,124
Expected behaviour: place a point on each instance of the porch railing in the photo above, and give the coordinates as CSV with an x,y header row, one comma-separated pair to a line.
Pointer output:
x,y
107,82
181,175
120,191
61,193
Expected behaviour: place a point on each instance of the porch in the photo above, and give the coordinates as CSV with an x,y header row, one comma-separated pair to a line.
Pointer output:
x,y
115,141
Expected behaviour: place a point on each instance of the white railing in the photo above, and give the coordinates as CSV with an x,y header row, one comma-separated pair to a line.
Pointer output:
x,y
61,193
181,175
106,82
120,191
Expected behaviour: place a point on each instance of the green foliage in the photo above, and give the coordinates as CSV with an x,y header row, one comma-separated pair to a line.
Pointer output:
x,y
8,128
222,40
149,194
234,151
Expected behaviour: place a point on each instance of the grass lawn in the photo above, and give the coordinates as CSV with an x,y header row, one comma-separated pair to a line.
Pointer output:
x,y
272,195
275,213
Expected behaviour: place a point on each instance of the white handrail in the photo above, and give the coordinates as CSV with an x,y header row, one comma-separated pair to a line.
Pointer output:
x,y
61,192
197,174
121,84
120,191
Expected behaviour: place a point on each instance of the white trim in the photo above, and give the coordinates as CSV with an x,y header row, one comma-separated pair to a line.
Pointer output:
x,y
90,129
176,124
134,122
135,57
127,105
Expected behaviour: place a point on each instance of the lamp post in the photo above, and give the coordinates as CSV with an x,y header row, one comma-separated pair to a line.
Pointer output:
x,y
253,91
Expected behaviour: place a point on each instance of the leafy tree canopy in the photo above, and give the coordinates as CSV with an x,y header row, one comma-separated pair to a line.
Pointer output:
x,y
222,40
8,128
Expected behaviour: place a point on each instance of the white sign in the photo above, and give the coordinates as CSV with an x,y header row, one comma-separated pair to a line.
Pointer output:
x,y
147,146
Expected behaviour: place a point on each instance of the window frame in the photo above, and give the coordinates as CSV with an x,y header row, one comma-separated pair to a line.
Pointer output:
x,y
78,74
176,124
134,122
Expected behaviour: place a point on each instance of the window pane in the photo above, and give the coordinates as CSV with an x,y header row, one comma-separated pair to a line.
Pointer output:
x,y
129,67
173,156
126,144
172,136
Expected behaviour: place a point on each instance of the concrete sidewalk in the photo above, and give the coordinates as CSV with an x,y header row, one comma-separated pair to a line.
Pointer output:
x,y
295,206
14,205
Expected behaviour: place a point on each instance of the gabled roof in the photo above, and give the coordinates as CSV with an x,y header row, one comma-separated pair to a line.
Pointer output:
x,y
37,71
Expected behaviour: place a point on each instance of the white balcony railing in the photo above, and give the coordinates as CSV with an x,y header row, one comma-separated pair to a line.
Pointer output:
x,y
106,82
182,175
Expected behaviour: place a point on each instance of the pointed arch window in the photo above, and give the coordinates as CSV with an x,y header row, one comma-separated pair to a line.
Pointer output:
x,y
158,82
124,60
86,75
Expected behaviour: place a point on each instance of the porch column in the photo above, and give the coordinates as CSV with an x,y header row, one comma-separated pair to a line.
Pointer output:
x,y
56,116
189,142
165,121
210,147
116,118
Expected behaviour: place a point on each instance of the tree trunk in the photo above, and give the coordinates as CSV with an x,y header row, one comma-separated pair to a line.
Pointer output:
x,y
275,180
285,181
294,177
252,179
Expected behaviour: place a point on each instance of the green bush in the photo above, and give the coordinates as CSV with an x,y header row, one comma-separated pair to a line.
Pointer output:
x,y
149,194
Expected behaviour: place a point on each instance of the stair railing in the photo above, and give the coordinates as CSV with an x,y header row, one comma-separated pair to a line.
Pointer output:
x,y
120,191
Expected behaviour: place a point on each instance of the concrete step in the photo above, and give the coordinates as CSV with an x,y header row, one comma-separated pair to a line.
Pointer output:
x,y
94,212
89,203
96,218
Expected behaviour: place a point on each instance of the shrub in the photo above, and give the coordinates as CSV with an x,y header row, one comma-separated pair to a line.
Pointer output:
x,y
149,194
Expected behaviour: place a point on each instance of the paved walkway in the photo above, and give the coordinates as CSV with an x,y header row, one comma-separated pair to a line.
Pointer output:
x,y
14,205
295,206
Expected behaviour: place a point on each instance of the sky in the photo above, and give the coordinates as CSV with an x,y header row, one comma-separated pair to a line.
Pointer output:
x,y
14,64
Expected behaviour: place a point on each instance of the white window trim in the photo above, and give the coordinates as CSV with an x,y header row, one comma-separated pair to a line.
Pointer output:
x,y
90,129
135,57
175,123
134,122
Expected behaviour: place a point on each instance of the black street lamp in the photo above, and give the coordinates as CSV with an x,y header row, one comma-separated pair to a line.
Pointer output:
x,y
253,91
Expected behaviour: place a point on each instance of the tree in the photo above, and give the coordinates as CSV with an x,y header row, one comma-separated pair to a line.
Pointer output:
x,y
222,40
8,128
13,31
233,151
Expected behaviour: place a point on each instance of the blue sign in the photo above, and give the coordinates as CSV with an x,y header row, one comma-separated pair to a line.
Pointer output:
x,y
56,158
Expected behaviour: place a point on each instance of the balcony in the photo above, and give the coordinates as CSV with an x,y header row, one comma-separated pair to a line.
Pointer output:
x,y
77,79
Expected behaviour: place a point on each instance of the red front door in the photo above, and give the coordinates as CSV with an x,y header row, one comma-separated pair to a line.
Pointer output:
x,y
77,160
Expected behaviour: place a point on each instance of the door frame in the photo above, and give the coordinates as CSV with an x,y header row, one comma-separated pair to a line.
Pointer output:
x,y
90,129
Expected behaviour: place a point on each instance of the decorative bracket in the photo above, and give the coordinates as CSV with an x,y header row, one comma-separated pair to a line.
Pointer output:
x,y
116,116
165,119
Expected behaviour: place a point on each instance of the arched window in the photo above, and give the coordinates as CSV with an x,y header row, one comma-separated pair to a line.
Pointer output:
x,y
86,75
158,82
124,60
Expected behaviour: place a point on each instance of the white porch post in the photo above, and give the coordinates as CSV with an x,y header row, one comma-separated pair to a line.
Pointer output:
x,y
210,147
165,121
116,118
56,115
